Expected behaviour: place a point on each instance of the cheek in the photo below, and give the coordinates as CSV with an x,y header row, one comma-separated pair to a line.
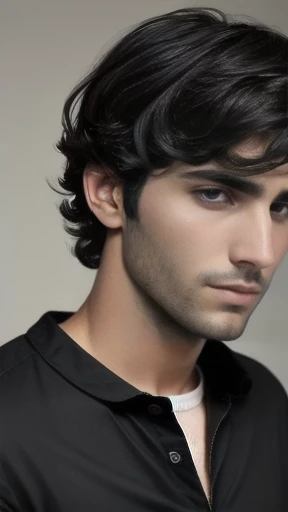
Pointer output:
x,y
280,245
182,228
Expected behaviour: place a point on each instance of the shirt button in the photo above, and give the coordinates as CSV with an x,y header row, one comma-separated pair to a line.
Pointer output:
x,y
175,457
155,409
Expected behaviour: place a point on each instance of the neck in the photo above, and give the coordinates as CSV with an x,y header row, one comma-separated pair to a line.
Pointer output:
x,y
114,326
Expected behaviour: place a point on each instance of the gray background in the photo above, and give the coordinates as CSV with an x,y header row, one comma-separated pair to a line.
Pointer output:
x,y
46,47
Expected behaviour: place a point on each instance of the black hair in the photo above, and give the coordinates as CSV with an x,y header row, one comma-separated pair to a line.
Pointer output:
x,y
184,86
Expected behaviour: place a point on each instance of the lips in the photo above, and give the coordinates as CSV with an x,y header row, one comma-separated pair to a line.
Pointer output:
x,y
234,297
240,289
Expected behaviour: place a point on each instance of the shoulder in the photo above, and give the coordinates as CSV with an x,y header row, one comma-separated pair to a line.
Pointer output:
x,y
12,354
264,380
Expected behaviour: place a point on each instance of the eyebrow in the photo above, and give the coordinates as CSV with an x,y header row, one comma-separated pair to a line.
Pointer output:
x,y
223,178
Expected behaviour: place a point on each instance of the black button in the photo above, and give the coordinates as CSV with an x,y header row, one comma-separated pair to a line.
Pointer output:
x,y
175,457
155,409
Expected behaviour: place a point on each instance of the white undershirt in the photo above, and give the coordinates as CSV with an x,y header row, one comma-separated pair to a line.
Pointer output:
x,y
191,399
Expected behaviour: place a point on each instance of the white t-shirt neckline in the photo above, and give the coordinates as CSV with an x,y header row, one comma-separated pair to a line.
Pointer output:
x,y
189,400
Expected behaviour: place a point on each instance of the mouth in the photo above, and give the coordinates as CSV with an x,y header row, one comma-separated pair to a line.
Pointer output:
x,y
235,297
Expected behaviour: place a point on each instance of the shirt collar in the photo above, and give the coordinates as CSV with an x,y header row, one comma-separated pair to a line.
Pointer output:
x,y
221,368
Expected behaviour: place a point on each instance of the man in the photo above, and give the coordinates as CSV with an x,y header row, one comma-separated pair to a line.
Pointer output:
x,y
177,170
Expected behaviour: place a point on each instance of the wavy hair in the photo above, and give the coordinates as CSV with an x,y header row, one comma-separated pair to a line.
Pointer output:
x,y
184,86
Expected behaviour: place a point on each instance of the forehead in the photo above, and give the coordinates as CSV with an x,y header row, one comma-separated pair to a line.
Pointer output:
x,y
252,147
255,147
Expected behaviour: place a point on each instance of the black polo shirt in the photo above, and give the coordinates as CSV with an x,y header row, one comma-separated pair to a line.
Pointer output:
x,y
75,437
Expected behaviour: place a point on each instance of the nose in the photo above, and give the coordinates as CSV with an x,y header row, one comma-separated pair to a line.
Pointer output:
x,y
254,240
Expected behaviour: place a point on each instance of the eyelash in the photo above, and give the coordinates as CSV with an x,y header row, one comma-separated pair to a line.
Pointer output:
x,y
199,194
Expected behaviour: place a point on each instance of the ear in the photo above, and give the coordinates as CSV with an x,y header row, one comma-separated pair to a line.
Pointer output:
x,y
103,196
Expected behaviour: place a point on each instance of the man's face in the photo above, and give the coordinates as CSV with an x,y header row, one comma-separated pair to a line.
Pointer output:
x,y
185,243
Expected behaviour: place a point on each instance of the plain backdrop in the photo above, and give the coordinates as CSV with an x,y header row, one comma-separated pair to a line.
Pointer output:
x,y
46,47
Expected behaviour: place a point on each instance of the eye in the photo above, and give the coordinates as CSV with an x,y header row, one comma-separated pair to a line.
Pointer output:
x,y
282,206
211,192
211,196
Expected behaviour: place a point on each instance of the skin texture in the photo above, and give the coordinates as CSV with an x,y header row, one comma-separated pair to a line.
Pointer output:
x,y
150,309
